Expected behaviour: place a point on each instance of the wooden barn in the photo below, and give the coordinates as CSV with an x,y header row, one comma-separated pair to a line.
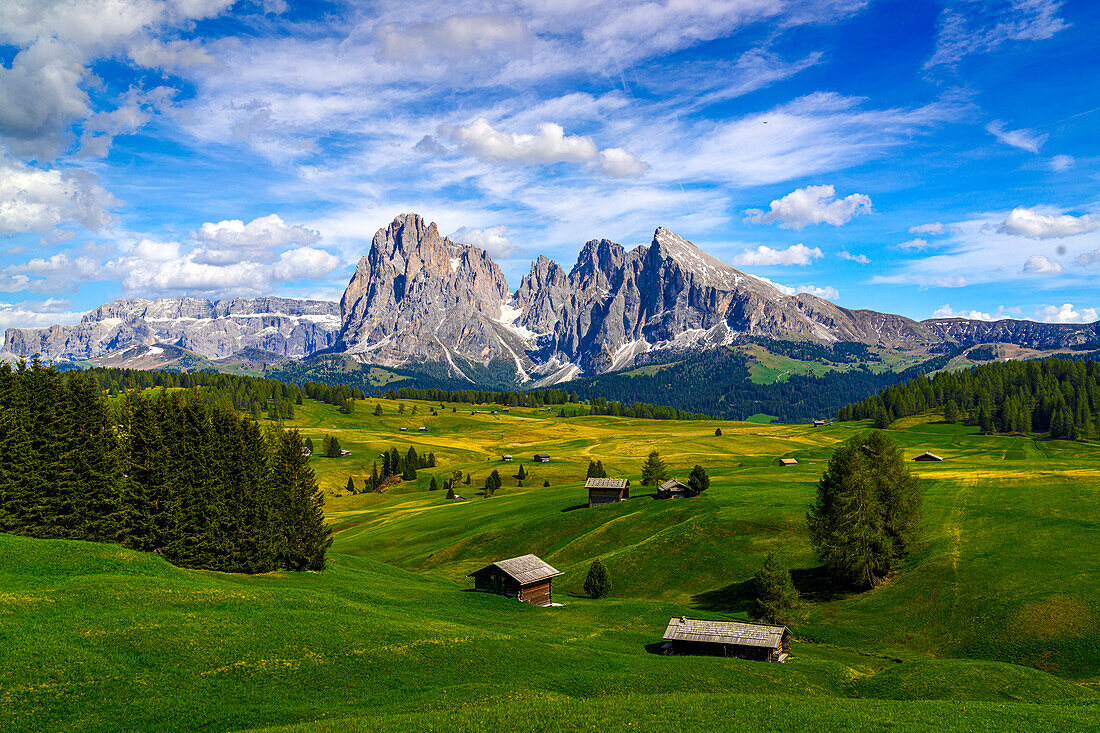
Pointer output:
x,y
542,458
526,578
727,639
928,457
788,462
606,490
506,457
672,489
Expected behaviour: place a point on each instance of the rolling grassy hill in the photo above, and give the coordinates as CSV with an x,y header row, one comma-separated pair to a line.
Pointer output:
x,y
992,624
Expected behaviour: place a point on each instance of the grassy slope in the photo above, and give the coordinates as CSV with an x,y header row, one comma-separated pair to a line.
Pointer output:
x,y
92,636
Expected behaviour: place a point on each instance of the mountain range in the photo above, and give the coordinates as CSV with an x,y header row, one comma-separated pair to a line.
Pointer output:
x,y
418,298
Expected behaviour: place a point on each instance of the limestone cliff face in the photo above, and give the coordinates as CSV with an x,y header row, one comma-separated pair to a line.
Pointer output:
x,y
214,329
420,296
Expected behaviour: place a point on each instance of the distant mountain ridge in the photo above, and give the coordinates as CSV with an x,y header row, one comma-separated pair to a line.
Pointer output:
x,y
418,298
214,329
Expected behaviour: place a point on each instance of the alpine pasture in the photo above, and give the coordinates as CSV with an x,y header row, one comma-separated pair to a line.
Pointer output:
x,y
993,622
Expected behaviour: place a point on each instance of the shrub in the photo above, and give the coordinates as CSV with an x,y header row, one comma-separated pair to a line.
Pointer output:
x,y
597,583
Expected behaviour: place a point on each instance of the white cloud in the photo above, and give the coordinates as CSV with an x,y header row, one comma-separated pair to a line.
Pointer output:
x,y
1061,163
305,263
918,244
860,258
619,163
933,228
946,311
1040,265
828,292
54,273
260,233
1023,139
1066,313
457,38
493,240
967,27
811,205
796,254
1033,223
41,199
1086,259
549,145
36,314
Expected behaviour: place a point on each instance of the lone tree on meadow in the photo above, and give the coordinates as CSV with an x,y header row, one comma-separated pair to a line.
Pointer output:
x,y
434,485
597,583
492,483
331,446
654,470
698,481
350,488
717,432
867,513
451,491
774,593
522,472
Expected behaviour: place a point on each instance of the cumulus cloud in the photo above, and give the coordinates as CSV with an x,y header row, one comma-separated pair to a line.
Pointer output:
x,y
1086,259
457,38
1066,313
493,240
1033,223
932,228
260,233
1023,139
619,163
811,205
37,314
40,199
549,145
796,254
946,311
967,27
828,292
305,263
54,273
860,258
1041,265
918,244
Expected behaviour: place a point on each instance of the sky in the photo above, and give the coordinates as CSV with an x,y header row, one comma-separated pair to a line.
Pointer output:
x,y
908,156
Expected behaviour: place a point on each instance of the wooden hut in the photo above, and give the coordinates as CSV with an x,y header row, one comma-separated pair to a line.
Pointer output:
x,y
542,458
672,489
506,457
926,456
727,639
606,490
526,578
788,462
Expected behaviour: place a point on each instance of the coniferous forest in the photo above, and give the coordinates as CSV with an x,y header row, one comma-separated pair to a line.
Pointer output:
x,y
1056,396
163,472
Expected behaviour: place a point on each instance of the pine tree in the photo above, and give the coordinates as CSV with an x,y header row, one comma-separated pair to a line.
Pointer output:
x,y
951,412
774,593
592,472
546,482
431,460
492,483
350,487
450,491
698,481
597,583
717,432
378,410
309,444
654,471
333,449
601,472
434,485
522,472
306,537
374,477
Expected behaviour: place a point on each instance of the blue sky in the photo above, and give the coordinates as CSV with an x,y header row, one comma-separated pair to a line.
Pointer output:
x,y
922,158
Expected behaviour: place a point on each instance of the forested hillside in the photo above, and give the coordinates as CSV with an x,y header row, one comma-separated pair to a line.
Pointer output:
x,y
166,473
1059,396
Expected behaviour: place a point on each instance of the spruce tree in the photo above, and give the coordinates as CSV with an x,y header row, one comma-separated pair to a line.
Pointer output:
x,y
450,491
350,487
698,481
654,471
333,449
597,583
306,538
717,432
774,593
434,485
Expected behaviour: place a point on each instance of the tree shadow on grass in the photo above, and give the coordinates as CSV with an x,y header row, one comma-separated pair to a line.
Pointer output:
x,y
813,584
574,508
731,599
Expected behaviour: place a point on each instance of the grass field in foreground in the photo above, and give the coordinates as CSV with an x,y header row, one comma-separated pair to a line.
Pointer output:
x,y
993,622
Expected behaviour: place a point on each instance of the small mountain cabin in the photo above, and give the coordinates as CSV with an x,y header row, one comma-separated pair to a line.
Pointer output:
x,y
422,429
727,639
820,423
606,490
788,462
506,457
672,489
542,458
526,578
928,457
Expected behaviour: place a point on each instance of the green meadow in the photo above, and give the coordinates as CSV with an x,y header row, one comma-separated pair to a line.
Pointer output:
x,y
994,621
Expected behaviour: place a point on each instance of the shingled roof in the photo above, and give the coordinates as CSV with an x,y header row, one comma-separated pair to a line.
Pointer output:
x,y
524,569
606,483
724,632
672,484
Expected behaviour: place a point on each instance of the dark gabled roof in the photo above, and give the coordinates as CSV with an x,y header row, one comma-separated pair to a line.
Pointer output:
x,y
724,632
928,456
606,483
672,484
542,455
524,569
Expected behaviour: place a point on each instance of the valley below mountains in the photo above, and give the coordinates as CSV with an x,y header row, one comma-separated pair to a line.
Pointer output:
x,y
419,301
